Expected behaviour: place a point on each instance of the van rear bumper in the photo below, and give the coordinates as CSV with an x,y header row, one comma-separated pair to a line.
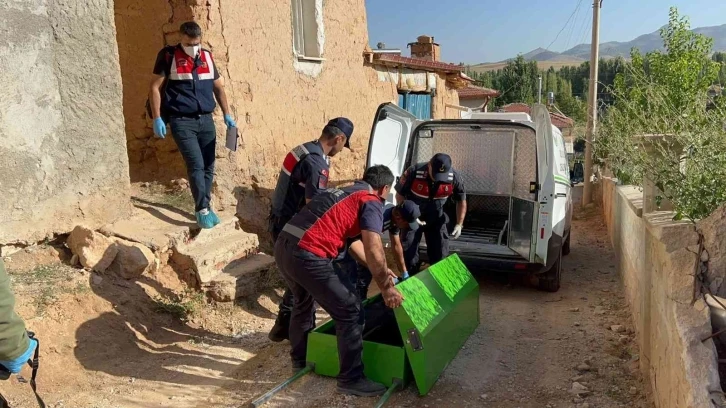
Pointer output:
x,y
482,262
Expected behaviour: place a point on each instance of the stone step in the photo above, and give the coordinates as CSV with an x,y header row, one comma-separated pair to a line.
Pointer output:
x,y
206,255
228,225
243,278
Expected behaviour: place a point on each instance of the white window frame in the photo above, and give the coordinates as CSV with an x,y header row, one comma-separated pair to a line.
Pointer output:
x,y
307,29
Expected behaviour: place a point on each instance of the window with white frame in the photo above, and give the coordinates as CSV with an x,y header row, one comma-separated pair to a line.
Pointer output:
x,y
307,28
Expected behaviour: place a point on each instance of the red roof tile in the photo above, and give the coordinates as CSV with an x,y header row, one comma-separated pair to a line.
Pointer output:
x,y
392,59
477,92
560,121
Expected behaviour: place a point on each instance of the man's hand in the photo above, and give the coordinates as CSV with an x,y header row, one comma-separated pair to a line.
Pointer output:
x,y
159,128
456,233
392,275
229,121
392,297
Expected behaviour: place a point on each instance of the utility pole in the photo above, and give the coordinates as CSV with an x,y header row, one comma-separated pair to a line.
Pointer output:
x,y
539,92
592,101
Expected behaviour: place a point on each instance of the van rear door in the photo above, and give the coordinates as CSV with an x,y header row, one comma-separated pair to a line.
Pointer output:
x,y
546,193
390,139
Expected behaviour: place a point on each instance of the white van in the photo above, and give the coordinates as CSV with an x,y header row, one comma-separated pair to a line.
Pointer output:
x,y
516,177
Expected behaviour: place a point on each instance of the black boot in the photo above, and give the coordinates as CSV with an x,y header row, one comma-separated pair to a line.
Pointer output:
x,y
362,388
281,330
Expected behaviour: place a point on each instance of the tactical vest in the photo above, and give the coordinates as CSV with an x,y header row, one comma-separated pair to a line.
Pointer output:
x,y
289,195
421,188
324,226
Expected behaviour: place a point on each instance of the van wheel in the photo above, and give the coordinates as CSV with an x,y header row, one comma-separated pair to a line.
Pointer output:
x,y
550,280
566,245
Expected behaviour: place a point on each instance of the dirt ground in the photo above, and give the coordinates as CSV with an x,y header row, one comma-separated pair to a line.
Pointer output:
x,y
107,342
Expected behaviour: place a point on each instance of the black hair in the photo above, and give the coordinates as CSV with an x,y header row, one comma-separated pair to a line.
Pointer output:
x,y
378,176
331,132
191,29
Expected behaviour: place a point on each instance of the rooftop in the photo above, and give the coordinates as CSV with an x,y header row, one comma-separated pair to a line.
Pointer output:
x,y
477,92
417,63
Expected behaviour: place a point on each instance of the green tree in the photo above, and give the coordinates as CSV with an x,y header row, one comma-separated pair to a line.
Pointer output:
x,y
665,93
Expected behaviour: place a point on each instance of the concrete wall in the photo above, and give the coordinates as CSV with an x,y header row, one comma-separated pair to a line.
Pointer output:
x,y
62,146
279,102
656,258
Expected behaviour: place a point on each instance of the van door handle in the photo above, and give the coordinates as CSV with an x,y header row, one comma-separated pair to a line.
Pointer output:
x,y
561,195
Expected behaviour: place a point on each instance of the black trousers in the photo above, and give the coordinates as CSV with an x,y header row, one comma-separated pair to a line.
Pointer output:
x,y
312,278
275,227
437,242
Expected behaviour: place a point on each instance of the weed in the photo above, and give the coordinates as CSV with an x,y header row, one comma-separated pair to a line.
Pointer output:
x,y
160,194
180,306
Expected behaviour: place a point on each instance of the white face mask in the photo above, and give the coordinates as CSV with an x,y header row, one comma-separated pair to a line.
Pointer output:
x,y
192,51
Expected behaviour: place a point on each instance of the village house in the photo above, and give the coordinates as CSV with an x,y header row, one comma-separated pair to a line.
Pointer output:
x,y
288,69
477,98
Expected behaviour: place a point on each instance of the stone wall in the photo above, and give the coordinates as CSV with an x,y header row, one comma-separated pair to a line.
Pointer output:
x,y
278,102
656,258
62,145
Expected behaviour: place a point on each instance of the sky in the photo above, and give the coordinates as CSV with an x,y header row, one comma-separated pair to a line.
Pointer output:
x,y
474,31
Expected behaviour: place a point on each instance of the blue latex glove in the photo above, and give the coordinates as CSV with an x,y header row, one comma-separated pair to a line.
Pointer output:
x,y
405,275
159,128
14,366
229,121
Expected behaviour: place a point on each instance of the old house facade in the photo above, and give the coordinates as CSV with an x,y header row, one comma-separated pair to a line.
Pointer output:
x,y
74,132
288,68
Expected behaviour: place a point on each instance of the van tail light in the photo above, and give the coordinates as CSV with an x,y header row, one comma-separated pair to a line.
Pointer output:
x,y
541,233
520,267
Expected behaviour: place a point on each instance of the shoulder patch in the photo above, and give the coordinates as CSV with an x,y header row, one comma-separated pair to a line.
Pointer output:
x,y
323,179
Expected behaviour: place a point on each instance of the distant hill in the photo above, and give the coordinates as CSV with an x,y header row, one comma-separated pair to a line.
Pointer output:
x,y
581,53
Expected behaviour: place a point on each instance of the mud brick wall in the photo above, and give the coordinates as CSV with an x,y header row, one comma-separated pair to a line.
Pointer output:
x,y
278,101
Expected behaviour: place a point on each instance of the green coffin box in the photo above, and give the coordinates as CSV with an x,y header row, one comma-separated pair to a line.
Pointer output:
x,y
417,340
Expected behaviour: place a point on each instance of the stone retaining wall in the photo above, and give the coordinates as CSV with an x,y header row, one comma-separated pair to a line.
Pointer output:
x,y
656,259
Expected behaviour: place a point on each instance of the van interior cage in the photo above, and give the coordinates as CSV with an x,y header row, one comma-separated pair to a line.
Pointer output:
x,y
497,164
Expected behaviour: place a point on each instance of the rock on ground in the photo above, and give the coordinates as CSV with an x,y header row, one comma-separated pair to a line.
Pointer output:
x,y
94,250
132,260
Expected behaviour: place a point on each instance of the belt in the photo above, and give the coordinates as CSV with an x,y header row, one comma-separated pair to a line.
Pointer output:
x,y
187,115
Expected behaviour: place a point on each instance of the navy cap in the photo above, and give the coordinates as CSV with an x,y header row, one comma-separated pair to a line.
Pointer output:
x,y
410,213
345,126
441,167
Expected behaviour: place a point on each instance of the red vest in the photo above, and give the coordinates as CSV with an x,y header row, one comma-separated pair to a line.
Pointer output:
x,y
420,187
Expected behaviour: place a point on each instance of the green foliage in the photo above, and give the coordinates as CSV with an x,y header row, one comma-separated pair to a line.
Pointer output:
x,y
663,126
518,82
180,306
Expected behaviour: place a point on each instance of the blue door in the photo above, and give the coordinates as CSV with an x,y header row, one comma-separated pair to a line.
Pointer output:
x,y
418,104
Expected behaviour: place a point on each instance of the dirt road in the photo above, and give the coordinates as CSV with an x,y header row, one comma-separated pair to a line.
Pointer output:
x,y
106,345
529,350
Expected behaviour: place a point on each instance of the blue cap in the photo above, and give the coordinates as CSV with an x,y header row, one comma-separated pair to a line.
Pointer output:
x,y
345,126
441,167
410,213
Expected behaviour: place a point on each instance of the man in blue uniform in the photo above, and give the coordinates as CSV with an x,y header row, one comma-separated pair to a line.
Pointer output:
x,y
182,94
404,216
304,253
304,174
429,185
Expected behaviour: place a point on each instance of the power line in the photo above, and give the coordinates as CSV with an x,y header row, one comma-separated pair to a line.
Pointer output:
x,y
572,27
566,23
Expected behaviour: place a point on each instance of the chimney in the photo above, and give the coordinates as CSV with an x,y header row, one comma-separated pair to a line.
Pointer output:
x,y
425,48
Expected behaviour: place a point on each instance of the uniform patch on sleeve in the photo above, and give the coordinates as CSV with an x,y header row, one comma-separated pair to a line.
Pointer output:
x,y
323,179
